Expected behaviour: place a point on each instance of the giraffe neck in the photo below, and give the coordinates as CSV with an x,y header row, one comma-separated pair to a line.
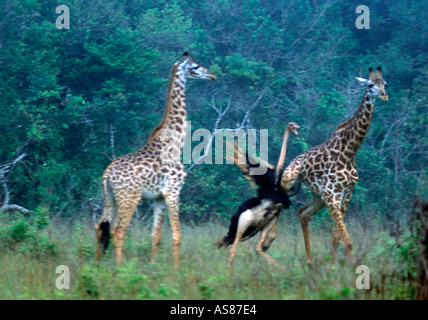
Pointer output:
x,y
349,136
172,129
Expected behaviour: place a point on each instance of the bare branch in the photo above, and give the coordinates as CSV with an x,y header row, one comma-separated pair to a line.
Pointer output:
x,y
259,98
216,124
4,172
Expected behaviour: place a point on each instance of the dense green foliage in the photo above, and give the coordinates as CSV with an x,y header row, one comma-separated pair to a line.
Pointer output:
x,y
74,99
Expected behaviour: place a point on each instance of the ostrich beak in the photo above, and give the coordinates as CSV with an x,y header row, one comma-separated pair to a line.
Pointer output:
x,y
294,130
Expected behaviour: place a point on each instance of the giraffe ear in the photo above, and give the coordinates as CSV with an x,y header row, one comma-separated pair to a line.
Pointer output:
x,y
371,73
362,81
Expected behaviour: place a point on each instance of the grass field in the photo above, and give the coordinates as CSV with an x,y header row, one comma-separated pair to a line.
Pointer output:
x,y
32,247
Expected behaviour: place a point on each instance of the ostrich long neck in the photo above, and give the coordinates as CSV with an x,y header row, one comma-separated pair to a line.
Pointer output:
x,y
283,152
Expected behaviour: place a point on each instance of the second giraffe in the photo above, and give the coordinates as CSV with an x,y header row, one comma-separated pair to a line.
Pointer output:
x,y
329,170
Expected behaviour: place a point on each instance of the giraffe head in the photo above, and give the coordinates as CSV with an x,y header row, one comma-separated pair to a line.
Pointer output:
x,y
193,70
375,84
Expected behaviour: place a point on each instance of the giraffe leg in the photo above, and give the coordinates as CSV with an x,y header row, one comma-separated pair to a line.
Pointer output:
x,y
336,232
158,210
172,200
304,214
124,215
267,236
340,232
335,240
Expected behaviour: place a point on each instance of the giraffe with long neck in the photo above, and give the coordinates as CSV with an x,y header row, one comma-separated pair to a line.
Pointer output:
x,y
329,170
154,172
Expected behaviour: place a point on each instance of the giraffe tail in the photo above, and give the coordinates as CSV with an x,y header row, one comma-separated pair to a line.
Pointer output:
x,y
103,226
105,234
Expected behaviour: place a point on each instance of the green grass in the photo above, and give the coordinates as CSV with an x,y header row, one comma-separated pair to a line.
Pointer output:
x,y
31,248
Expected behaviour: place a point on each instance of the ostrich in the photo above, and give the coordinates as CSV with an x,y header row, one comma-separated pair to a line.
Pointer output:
x,y
259,214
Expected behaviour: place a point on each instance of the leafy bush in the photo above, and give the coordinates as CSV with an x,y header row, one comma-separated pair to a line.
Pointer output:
x,y
29,234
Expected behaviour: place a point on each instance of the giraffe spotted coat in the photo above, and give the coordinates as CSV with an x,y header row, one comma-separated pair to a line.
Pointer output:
x,y
154,172
329,170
